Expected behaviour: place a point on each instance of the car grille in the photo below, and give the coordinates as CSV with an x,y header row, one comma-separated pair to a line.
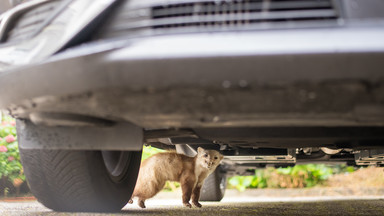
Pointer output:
x,y
203,16
30,21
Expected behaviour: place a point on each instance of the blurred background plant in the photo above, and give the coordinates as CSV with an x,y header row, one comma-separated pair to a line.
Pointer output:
x,y
149,151
11,171
299,176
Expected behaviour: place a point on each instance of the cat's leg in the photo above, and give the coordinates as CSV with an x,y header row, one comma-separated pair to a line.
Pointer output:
x,y
134,194
196,195
187,191
141,203
187,183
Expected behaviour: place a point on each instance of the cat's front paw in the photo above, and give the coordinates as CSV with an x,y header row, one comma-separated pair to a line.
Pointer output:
x,y
187,205
196,204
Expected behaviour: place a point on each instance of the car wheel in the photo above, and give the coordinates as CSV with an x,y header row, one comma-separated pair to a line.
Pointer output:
x,y
92,181
214,186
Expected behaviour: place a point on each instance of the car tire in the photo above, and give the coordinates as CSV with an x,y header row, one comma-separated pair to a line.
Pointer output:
x,y
85,181
214,186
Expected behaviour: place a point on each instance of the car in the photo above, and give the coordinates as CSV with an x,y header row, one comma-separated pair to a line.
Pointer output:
x,y
265,82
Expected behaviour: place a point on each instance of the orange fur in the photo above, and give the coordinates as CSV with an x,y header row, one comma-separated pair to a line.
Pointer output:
x,y
171,166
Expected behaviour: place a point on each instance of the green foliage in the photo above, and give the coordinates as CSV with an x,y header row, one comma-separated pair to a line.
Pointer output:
x,y
343,169
149,151
171,186
243,182
259,180
298,176
10,166
305,175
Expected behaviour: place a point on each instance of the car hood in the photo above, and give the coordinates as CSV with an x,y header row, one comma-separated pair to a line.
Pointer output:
x,y
26,39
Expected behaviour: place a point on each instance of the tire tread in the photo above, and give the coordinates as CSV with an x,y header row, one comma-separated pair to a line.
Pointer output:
x,y
62,180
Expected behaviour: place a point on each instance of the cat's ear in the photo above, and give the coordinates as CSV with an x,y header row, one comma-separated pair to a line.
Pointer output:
x,y
199,150
221,157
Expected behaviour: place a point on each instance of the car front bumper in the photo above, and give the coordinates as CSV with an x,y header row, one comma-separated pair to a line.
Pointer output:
x,y
311,77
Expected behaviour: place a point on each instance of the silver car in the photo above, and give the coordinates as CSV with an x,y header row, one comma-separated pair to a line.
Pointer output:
x,y
265,82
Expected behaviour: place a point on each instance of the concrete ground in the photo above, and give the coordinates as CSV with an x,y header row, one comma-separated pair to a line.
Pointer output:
x,y
251,202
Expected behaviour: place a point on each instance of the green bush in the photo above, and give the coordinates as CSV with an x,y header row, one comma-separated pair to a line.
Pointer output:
x,y
259,180
301,176
11,170
149,151
298,176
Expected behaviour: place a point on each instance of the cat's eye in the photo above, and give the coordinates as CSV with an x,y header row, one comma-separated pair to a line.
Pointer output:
x,y
206,155
216,158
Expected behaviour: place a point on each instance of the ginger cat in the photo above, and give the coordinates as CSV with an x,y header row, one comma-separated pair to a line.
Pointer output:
x,y
171,166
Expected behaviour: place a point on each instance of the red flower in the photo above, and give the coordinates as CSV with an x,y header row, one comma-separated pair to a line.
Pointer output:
x,y
3,149
13,123
17,182
10,138
10,158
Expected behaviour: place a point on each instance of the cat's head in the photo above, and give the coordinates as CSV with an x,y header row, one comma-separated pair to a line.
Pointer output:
x,y
209,159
